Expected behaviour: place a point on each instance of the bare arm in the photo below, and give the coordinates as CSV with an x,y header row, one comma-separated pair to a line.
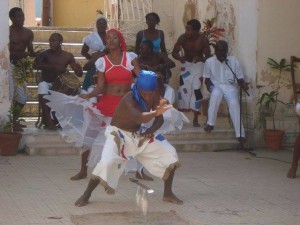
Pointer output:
x,y
157,123
77,68
163,48
85,51
176,49
145,117
138,42
136,68
206,51
30,45
91,63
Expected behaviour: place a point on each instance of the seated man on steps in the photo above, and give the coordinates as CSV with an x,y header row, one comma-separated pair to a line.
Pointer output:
x,y
53,62
221,82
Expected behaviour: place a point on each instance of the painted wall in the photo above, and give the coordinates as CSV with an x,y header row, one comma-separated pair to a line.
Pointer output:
x,y
74,13
29,11
4,60
278,37
279,31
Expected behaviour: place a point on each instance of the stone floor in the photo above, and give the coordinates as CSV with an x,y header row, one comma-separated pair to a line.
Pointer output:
x,y
218,188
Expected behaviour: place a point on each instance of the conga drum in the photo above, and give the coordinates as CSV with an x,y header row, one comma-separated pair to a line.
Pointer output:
x,y
67,83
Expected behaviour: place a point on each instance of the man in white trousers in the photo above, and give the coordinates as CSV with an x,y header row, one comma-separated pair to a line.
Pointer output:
x,y
222,83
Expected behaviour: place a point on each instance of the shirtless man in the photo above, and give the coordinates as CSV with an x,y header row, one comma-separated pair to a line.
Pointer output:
x,y
126,140
20,46
196,50
52,63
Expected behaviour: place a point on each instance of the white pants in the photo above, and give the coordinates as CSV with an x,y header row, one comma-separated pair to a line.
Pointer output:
x,y
189,84
157,155
231,95
44,87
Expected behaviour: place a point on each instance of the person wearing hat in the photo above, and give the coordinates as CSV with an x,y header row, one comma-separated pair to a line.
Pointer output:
x,y
126,140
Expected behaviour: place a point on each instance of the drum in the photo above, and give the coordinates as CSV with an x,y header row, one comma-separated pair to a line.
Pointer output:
x,y
67,83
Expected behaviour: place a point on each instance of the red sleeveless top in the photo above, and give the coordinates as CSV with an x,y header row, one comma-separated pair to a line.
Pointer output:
x,y
117,74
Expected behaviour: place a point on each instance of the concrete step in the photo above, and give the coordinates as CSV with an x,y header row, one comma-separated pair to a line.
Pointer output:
x,y
51,149
30,109
45,142
69,36
37,141
205,145
189,134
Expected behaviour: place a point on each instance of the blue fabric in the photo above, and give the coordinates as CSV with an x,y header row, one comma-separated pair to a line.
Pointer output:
x,y
160,137
138,97
146,81
156,42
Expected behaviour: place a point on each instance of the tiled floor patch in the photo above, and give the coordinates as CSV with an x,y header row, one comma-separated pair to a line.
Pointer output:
x,y
132,218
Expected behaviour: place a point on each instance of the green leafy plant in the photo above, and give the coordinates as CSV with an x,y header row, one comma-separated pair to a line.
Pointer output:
x,y
22,71
269,100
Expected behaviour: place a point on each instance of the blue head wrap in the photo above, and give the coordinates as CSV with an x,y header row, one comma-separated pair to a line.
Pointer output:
x,y
146,81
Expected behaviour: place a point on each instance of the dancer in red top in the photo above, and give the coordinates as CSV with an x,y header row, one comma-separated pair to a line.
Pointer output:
x,y
114,72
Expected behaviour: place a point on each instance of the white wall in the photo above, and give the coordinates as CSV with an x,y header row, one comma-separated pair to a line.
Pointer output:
x,y
4,59
239,18
245,48
278,37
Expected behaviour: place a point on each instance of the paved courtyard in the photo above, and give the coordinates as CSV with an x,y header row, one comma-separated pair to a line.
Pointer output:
x,y
218,188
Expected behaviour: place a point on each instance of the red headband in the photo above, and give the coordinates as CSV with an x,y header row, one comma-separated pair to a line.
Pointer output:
x,y
121,38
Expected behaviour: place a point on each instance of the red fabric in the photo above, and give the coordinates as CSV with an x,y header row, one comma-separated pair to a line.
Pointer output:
x,y
108,104
117,73
121,38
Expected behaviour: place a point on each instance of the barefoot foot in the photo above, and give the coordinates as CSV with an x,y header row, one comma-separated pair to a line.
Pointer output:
x,y
143,176
83,200
79,176
292,172
173,199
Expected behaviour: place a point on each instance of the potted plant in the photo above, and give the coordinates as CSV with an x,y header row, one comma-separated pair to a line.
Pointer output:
x,y
268,103
9,137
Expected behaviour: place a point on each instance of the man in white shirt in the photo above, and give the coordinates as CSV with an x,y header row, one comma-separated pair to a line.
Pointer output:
x,y
222,83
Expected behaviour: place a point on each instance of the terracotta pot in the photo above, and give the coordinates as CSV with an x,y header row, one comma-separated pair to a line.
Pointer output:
x,y
9,143
273,138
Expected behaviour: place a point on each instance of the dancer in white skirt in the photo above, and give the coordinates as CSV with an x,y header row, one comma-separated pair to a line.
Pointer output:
x,y
125,140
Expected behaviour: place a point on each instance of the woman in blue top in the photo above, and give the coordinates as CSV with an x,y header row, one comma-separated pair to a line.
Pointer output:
x,y
151,33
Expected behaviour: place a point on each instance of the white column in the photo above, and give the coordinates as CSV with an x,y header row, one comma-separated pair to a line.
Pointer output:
x,y
4,60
